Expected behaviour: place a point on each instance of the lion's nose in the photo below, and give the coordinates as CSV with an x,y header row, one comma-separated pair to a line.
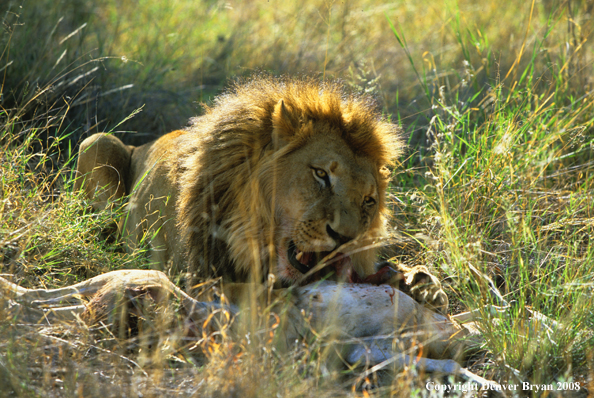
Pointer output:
x,y
338,238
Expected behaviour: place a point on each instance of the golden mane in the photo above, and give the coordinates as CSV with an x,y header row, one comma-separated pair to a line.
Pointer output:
x,y
225,206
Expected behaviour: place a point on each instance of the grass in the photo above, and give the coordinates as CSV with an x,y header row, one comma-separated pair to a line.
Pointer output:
x,y
497,107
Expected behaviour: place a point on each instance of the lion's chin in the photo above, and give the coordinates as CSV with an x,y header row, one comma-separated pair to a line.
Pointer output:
x,y
299,266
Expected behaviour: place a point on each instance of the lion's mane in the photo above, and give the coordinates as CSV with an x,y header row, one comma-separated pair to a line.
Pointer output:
x,y
227,179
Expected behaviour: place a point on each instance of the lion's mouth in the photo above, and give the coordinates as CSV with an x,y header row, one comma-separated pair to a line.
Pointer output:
x,y
305,262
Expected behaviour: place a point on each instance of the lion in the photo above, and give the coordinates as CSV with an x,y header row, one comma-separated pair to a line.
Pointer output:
x,y
281,179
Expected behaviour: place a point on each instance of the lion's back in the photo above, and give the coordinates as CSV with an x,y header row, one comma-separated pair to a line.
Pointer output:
x,y
152,217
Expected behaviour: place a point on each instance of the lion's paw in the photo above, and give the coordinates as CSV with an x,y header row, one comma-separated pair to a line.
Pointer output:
x,y
420,284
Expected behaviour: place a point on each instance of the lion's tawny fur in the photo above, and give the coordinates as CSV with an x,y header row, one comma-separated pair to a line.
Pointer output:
x,y
234,183
211,193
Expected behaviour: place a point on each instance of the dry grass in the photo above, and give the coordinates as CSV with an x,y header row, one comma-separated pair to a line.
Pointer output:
x,y
497,106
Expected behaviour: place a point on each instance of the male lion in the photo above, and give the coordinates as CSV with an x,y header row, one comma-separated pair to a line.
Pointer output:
x,y
278,175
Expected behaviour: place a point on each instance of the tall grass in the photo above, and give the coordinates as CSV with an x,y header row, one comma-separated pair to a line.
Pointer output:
x,y
167,56
496,102
509,192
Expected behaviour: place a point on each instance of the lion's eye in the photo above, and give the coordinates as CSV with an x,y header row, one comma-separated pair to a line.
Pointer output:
x,y
368,201
322,175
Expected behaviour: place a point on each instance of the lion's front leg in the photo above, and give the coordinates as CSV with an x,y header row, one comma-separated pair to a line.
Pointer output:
x,y
417,282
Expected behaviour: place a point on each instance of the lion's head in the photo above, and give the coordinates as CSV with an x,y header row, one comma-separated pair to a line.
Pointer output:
x,y
287,171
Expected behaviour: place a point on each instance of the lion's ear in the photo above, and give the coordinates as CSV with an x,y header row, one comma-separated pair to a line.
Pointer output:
x,y
385,172
284,124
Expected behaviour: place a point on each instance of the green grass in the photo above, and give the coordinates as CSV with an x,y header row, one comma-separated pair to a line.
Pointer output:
x,y
497,109
49,234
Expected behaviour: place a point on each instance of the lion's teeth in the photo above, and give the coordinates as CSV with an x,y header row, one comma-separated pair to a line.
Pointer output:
x,y
299,255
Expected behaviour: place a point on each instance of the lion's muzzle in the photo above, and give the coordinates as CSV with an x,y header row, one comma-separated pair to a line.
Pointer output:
x,y
339,264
